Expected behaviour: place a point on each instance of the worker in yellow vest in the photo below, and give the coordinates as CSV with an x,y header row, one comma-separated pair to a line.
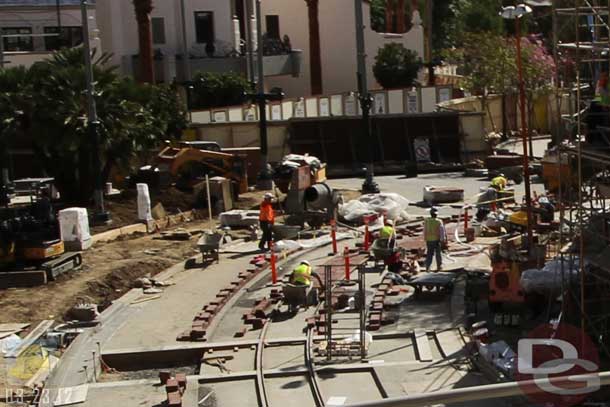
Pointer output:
x,y
388,232
435,237
301,275
499,183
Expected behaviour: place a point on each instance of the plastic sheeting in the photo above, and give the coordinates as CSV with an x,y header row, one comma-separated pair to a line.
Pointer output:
x,y
144,211
394,206
9,343
500,355
74,225
296,160
548,280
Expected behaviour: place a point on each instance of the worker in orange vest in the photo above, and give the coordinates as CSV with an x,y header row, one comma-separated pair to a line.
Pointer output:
x,y
266,219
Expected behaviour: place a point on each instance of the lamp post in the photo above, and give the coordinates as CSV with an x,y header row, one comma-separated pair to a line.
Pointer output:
x,y
369,186
93,124
185,49
516,13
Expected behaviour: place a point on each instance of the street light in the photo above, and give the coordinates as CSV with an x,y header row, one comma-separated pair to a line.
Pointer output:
x,y
93,124
516,13
369,186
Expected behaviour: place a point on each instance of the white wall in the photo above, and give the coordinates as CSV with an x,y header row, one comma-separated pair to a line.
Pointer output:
x,y
338,44
119,26
294,23
37,18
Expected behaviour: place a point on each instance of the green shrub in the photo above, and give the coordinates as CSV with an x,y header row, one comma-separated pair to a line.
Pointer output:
x,y
211,89
396,66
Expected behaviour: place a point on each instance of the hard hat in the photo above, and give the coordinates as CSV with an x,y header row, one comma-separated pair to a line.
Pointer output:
x,y
390,222
433,210
305,262
268,195
501,174
544,200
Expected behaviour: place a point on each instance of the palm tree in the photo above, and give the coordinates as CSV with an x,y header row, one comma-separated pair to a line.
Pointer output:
x,y
315,59
143,8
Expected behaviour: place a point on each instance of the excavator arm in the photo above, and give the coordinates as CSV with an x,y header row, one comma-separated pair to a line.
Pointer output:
x,y
231,166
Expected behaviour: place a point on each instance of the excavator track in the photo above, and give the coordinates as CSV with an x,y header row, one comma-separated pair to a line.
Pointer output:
x,y
59,265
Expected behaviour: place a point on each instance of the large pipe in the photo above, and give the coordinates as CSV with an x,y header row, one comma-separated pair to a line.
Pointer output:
x,y
486,392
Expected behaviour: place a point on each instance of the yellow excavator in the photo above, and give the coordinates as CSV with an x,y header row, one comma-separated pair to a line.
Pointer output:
x,y
187,165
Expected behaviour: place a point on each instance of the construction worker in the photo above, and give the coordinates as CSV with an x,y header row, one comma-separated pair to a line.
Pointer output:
x,y
388,232
499,183
301,275
434,234
266,218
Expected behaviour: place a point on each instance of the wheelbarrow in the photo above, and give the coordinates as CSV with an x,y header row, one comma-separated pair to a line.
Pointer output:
x,y
209,246
296,296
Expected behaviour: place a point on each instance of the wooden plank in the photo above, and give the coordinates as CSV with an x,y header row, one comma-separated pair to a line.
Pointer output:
x,y
13,327
32,337
422,345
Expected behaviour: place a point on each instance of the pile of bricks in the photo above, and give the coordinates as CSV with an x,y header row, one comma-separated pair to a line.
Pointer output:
x,y
203,319
174,387
377,317
257,316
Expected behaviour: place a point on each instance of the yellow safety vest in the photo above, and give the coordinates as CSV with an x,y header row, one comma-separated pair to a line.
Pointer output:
x,y
433,229
302,274
499,182
386,232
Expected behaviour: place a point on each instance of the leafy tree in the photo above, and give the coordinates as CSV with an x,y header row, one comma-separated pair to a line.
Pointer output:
x,y
378,15
132,118
396,66
211,89
489,65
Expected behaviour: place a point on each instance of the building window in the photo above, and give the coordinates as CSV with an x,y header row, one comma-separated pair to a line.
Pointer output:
x,y
204,27
19,43
273,26
68,38
158,30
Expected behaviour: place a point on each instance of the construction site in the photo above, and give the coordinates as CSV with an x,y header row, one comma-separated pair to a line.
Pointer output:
x,y
227,278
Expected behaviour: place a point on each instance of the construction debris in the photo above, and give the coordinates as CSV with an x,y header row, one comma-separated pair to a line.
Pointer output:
x,y
391,205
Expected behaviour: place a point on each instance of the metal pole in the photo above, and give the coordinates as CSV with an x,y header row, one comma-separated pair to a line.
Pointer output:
x,y
249,40
58,11
369,186
264,178
486,392
581,241
185,49
524,133
1,50
93,123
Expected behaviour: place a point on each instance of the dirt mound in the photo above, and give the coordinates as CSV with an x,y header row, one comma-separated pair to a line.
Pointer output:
x,y
121,279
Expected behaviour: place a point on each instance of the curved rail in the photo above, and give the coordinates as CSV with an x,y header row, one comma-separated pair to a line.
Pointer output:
x,y
260,377
313,382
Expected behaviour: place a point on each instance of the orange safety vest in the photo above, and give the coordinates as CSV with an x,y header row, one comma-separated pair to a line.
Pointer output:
x,y
266,212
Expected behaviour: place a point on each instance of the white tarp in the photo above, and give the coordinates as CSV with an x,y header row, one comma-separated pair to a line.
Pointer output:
x,y
144,211
295,160
549,279
390,204
9,343
74,225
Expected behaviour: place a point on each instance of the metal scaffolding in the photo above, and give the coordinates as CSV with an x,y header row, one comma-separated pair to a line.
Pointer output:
x,y
584,151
